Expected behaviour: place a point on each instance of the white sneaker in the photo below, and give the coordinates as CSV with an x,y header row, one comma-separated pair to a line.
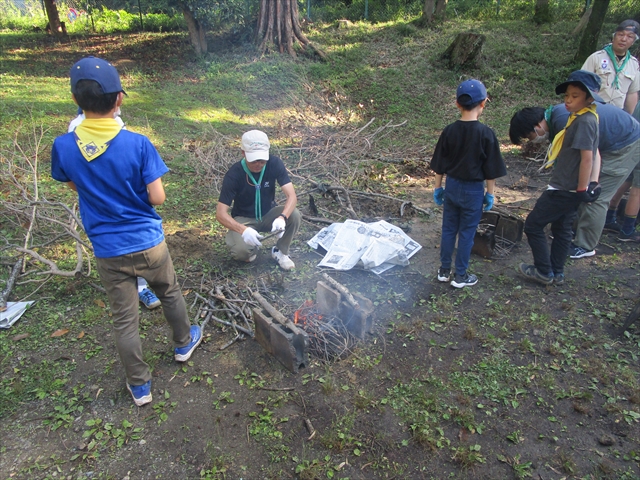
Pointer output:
x,y
283,260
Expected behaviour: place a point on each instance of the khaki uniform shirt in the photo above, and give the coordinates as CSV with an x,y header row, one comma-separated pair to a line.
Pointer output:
x,y
629,79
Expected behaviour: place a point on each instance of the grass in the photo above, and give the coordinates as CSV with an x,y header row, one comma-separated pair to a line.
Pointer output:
x,y
454,377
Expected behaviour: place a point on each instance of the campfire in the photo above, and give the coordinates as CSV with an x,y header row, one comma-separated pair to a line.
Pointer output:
x,y
327,329
329,338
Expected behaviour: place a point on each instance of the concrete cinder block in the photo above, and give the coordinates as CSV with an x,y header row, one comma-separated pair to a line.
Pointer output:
x,y
359,321
263,330
327,299
289,348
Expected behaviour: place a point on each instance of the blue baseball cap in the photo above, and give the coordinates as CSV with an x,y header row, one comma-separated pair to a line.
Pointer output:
x,y
99,70
589,80
474,88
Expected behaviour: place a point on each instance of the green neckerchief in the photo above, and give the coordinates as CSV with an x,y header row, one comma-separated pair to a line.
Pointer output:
x,y
614,59
257,185
547,115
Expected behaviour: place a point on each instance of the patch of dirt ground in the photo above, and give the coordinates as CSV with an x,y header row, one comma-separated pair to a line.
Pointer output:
x,y
506,379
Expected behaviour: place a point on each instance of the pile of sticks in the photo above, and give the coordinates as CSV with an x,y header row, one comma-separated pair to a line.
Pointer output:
x,y
329,339
228,306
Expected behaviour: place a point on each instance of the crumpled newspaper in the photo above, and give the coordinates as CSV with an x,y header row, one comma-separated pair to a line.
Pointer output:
x,y
378,246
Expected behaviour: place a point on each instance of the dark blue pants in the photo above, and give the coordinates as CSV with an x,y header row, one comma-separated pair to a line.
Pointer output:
x,y
559,208
460,217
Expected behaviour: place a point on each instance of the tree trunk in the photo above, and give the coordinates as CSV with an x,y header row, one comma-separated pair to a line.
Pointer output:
x,y
196,30
427,13
542,12
464,50
57,28
583,22
589,40
441,7
432,11
279,28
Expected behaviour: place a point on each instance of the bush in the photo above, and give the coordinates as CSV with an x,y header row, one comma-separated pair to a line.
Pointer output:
x,y
29,13
390,10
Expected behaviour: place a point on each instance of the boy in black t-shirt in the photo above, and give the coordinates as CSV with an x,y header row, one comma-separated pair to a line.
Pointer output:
x,y
468,153
574,180
250,186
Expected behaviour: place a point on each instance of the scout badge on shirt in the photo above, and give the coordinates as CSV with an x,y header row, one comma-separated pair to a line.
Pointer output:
x,y
94,135
605,64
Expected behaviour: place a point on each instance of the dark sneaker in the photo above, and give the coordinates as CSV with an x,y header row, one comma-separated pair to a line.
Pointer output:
x,y
149,299
532,273
632,237
444,274
141,393
183,354
558,278
579,252
612,227
466,280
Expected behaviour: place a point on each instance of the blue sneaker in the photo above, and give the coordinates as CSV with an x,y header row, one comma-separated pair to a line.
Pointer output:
x,y
149,299
141,393
183,354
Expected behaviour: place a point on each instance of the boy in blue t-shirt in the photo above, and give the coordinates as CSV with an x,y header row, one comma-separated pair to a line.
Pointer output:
x,y
145,294
468,153
117,174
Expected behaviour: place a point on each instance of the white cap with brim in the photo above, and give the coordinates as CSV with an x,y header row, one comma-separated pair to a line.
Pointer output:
x,y
255,145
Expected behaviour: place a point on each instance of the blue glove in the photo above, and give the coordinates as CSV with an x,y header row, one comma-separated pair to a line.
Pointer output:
x,y
438,196
488,202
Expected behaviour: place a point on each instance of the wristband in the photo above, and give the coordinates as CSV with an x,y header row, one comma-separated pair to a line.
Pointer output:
x,y
284,216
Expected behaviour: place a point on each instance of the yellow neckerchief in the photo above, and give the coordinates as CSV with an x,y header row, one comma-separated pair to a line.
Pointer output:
x,y
554,150
94,135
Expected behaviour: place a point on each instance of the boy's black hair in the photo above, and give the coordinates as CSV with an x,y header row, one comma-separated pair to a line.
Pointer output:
x,y
462,99
523,123
582,87
91,98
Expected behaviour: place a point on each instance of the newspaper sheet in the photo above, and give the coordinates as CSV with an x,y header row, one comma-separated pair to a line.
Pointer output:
x,y
378,246
13,313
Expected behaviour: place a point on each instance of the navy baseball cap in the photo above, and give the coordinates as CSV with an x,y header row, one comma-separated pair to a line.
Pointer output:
x,y
99,70
474,88
629,26
590,80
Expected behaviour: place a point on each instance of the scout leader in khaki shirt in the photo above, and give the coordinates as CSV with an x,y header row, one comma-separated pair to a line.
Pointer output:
x,y
617,68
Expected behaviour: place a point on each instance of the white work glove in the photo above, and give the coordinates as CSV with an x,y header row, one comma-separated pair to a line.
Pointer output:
x,y
251,237
279,224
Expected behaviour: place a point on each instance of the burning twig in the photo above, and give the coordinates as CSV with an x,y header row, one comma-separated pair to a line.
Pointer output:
x,y
328,336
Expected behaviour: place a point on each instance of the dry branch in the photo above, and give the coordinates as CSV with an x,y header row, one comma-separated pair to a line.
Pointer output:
x,y
37,226
10,282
